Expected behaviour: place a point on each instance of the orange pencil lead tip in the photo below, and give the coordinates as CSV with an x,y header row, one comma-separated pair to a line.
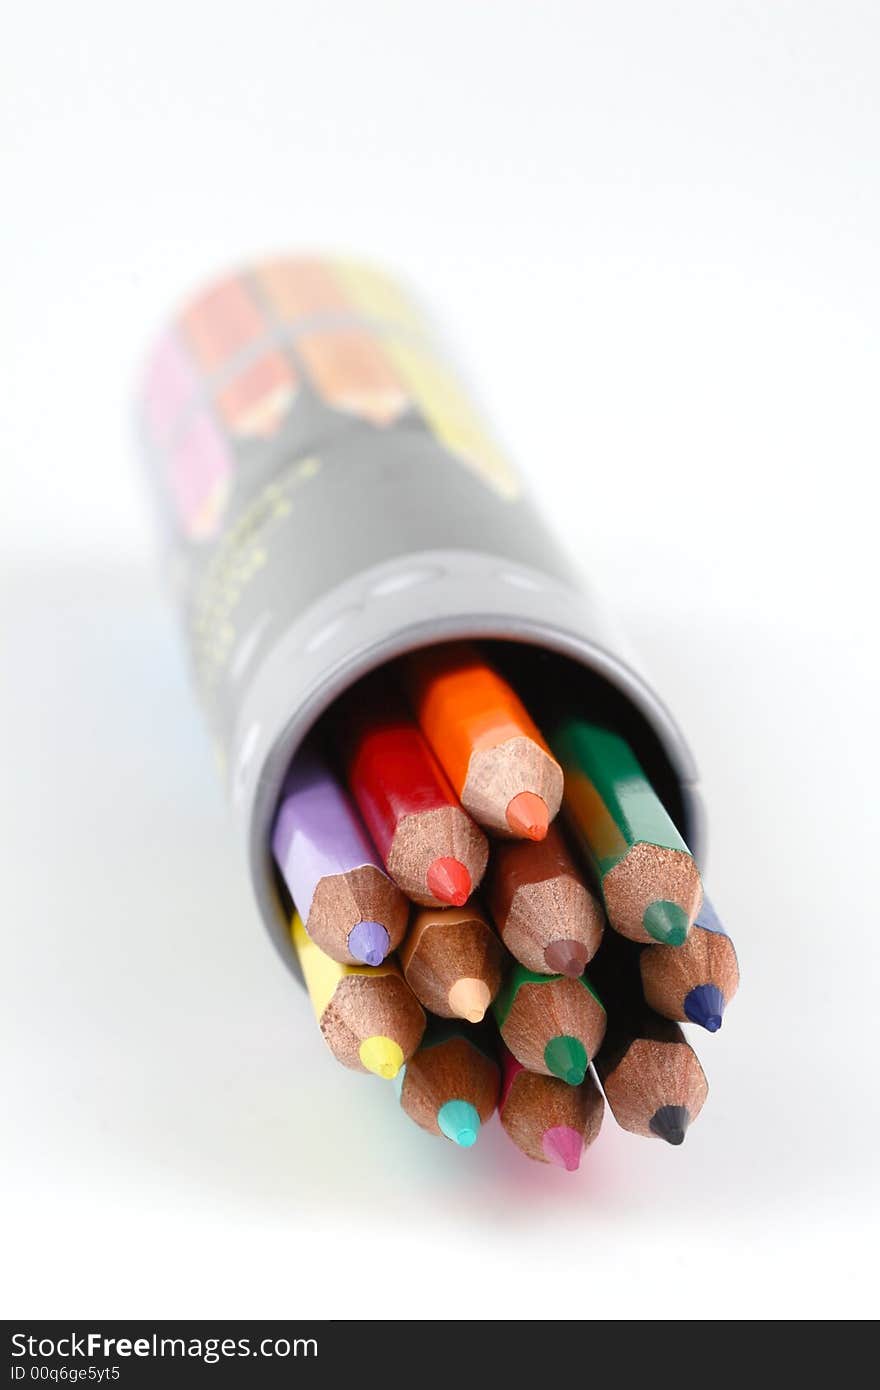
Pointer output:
x,y
527,816
449,880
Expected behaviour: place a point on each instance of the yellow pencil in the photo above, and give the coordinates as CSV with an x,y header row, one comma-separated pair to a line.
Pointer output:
x,y
369,1016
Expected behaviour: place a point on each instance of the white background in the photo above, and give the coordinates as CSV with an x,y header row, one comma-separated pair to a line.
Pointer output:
x,y
652,232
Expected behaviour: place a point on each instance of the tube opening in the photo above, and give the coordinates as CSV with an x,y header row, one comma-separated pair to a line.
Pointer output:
x,y
544,673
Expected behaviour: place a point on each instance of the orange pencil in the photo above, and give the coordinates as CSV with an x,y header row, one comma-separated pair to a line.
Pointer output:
x,y
485,740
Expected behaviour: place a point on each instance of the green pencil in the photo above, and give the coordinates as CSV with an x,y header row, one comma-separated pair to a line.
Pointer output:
x,y
649,881
553,1024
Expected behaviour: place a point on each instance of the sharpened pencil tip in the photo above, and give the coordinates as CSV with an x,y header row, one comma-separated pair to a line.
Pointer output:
x,y
566,1057
563,1146
449,880
566,958
460,1122
469,998
527,816
382,1056
670,1122
369,942
705,1005
666,922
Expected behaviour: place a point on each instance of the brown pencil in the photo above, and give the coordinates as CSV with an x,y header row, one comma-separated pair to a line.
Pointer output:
x,y
453,961
450,1086
551,1023
695,982
547,1120
543,911
491,750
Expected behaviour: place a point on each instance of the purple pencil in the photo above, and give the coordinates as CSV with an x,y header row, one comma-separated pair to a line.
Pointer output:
x,y
348,904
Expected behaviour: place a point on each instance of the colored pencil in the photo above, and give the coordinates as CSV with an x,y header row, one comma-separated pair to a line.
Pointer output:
x,y
551,1023
450,1086
350,372
490,748
453,961
546,1119
649,881
651,1076
543,911
369,1016
695,982
348,904
427,842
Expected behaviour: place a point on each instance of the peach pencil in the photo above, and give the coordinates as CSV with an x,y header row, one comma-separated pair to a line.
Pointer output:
x,y
453,961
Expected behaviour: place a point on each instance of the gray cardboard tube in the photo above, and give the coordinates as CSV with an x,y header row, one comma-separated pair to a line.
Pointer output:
x,y
333,545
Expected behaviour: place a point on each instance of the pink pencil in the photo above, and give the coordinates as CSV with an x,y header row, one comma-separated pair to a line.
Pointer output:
x,y
548,1120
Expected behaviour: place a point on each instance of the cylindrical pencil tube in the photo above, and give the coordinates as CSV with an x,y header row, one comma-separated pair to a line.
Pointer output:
x,y
428,843
695,982
348,904
490,748
369,1016
650,883
453,961
552,1024
450,1086
543,911
332,501
548,1121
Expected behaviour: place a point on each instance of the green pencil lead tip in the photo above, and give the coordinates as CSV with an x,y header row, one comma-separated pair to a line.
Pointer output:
x,y
566,1057
666,922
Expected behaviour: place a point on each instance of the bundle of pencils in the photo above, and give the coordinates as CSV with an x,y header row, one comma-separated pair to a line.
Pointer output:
x,y
591,941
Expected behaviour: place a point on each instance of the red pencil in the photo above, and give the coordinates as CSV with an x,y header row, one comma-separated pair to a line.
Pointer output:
x,y
427,842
